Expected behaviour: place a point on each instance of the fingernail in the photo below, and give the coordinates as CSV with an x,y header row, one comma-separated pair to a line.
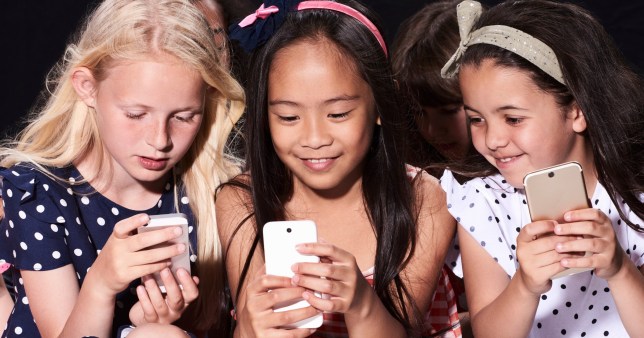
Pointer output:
x,y
165,272
558,228
305,295
564,262
295,267
295,279
559,247
567,217
181,247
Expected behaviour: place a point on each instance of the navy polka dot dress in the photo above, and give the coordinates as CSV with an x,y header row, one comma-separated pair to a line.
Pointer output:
x,y
49,224
581,305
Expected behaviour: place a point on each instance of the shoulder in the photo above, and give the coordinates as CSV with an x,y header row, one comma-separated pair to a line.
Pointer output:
x,y
233,204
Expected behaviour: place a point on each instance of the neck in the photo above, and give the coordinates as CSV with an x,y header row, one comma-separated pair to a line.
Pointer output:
x,y
306,201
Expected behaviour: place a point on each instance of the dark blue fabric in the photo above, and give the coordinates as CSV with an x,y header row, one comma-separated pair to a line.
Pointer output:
x,y
49,224
256,34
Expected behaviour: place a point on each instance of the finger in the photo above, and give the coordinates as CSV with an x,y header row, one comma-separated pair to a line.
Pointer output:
x,y
149,313
592,244
278,298
588,214
189,285
543,244
157,254
534,230
174,295
264,283
322,304
124,228
330,251
284,318
151,238
585,228
156,297
326,286
332,271
139,271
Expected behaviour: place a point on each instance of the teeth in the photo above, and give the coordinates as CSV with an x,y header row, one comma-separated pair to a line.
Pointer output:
x,y
318,160
504,160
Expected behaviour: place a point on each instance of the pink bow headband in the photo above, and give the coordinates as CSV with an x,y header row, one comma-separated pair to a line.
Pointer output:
x,y
264,12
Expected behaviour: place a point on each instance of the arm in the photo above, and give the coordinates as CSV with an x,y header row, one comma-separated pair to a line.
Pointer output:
x,y
88,311
609,260
364,313
254,307
6,303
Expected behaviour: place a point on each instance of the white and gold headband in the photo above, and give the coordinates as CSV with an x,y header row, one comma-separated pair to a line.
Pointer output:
x,y
511,39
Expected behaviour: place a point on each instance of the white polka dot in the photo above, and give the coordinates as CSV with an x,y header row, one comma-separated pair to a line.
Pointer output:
x,y
78,252
98,251
40,208
190,228
46,186
115,211
72,180
66,233
23,245
54,227
14,253
38,236
184,200
37,266
9,193
55,254
100,221
22,214
18,330
193,258
15,173
78,220
20,281
33,180
70,191
60,219
11,224
7,233
25,300
159,204
85,200
63,202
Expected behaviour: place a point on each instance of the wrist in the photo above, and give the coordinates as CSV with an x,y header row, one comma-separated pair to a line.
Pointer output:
x,y
523,291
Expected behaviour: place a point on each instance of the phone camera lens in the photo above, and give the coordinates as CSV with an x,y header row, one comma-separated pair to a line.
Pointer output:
x,y
551,174
288,230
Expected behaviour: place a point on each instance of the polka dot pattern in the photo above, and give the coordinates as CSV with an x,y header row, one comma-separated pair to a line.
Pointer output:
x,y
576,306
49,224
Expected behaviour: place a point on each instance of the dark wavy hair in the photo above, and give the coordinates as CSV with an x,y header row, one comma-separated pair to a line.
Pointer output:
x,y
388,195
597,79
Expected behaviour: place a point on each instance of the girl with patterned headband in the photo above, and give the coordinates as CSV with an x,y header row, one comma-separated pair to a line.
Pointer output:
x,y
543,84
323,144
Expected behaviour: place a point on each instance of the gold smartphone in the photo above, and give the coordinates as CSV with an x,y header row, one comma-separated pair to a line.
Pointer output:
x,y
551,192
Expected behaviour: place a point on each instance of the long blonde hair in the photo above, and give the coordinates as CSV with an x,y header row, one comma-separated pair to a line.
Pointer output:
x,y
65,129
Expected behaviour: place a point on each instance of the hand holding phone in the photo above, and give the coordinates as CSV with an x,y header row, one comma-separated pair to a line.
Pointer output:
x,y
553,191
181,261
280,239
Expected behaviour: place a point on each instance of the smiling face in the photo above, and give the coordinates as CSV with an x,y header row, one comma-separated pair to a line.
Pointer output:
x,y
148,114
321,115
445,128
516,126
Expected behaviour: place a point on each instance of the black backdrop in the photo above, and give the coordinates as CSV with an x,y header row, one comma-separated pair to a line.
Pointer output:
x,y
33,35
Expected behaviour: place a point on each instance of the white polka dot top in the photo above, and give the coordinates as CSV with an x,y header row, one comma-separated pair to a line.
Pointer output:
x,y
581,305
49,224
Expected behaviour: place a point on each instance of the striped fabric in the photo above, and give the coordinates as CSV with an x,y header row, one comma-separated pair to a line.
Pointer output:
x,y
441,319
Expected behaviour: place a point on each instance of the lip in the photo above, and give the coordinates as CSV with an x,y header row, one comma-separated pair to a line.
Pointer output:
x,y
319,163
152,163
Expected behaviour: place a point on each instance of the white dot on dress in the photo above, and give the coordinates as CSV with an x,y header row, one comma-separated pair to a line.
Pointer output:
x,y
18,330
40,208
60,219
184,200
23,245
22,214
78,252
55,254
54,228
46,186
15,173
115,211
78,221
159,204
100,221
193,258
11,224
25,300
20,281
85,200
70,191
38,236
37,266
190,228
63,202
9,193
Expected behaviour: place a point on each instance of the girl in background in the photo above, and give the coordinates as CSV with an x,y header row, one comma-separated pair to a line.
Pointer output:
x,y
543,84
136,124
323,143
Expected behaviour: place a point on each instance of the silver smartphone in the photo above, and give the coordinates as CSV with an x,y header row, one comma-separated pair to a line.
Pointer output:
x,y
280,239
181,261
553,191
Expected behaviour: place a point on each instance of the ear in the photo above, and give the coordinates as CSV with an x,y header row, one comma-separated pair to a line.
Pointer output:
x,y
378,120
578,118
85,85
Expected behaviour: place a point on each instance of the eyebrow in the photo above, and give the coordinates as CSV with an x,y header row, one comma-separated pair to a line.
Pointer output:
x,y
340,98
502,108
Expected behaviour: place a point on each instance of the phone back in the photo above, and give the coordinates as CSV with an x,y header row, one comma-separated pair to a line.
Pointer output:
x,y
553,191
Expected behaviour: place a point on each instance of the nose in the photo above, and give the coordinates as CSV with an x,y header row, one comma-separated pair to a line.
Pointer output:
x,y
158,136
495,137
315,134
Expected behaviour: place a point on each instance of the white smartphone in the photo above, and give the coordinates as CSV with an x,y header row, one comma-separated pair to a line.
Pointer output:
x,y
551,192
182,261
280,239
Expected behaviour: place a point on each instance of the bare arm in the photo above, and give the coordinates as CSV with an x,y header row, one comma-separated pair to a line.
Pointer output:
x,y
6,303
627,288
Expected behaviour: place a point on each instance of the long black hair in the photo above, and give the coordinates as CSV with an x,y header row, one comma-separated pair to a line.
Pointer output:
x,y
597,80
388,195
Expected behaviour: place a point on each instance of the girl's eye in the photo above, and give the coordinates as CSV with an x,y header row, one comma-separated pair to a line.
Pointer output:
x,y
134,116
185,118
287,118
513,120
339,116
475,119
